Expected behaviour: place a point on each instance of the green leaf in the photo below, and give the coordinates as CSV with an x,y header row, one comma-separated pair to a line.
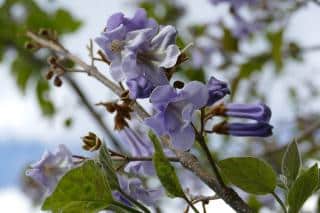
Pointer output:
x,y
229,42
253,64
106,162
22,70
82,189
45,103
165,170
291,162
64,22
303,188
276,40
250,174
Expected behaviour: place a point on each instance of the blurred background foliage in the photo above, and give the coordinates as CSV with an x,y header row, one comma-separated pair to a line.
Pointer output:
x,y
241,68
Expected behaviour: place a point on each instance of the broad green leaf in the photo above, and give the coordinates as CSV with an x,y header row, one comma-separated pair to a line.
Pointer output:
x,y
250,174
82,189
165,170
303,188
291,162
106,162
119,207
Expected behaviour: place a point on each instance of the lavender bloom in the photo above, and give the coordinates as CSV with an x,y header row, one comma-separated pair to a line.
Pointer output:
x,y
258,112
260,129
139,147
139,51
217,90
136,190
175,110
51,167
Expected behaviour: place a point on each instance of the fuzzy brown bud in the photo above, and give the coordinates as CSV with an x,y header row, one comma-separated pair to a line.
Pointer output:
x,y
91,142
52,60
178,84
57,82
49,74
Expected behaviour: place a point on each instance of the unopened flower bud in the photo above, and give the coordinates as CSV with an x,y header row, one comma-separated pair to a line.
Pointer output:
x,y
49,74
178,84
57,82
52,60
91,142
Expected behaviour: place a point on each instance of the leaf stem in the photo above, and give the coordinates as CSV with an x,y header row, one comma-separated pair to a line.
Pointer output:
x,y
135,202
128,208
280,202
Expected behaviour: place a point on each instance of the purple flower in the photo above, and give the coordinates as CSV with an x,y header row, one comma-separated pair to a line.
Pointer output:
x,y
258,112
175,111
136,190
139,51
217,90
259,129
139,147
51,167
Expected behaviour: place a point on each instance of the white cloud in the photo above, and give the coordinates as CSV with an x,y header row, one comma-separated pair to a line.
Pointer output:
x,y
12,200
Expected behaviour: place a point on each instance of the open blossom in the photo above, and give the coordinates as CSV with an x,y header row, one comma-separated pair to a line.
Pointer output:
x,y
175,111
136,190
139,147
139,51
51,167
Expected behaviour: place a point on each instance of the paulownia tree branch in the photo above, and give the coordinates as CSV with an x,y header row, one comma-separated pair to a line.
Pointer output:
x,y
188,160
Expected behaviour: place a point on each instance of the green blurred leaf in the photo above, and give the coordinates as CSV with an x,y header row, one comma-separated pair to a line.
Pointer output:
x,y
82,189
253,64
63,22
276,40
254,203
22,71
165,170
192,74
303,188
291,162
229,42
250,174
106,162
45,103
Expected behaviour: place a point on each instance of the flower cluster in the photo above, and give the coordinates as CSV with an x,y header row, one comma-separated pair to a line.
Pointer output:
x,y
139,51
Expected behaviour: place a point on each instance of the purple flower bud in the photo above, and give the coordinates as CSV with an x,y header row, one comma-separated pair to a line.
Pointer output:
x,y
51,167
260,129
217,90
258,112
